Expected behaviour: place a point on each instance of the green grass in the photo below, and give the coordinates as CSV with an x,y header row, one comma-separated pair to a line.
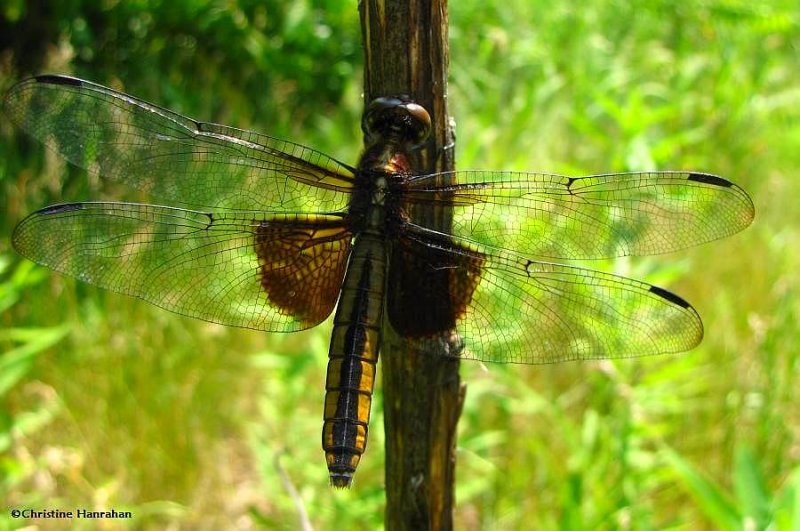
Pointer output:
x,y
197,426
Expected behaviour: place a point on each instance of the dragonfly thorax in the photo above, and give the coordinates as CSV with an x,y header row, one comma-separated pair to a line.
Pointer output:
x,y
376,203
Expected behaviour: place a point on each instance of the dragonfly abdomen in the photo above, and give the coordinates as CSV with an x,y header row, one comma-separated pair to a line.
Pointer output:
x,y
353,356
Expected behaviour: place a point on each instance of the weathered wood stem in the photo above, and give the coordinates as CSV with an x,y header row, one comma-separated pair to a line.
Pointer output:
x,y
406,50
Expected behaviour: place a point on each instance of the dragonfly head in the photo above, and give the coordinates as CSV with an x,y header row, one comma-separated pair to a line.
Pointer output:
x,y
397,118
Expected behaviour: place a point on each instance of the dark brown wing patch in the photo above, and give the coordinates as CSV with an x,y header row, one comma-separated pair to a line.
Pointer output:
x,y
302,264
431,284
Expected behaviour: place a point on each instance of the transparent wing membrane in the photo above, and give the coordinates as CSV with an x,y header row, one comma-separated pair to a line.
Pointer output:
x,y
520,310
173,158
600,216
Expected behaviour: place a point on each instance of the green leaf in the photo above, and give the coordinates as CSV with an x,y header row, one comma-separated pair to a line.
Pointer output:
x,y
15,363
786,504
751,492
715,503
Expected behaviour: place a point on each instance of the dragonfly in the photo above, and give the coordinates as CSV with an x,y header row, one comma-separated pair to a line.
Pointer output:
x,y
248,230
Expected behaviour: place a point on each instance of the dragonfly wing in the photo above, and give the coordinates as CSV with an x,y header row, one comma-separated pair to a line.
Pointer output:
x,y
600,216
268,272
508,308
173,158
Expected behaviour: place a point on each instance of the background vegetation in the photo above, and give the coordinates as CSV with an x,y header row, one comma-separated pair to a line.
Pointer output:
x,y
108,402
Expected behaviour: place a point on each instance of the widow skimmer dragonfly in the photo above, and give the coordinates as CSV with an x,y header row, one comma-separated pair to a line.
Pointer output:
x,y
262,233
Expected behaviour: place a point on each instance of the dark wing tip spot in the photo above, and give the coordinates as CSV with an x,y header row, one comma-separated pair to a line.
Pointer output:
x,y
671,297
707,178
58,209
55,79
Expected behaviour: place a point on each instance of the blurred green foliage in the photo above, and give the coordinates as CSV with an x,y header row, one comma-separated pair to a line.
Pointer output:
x,y
197,426
186,50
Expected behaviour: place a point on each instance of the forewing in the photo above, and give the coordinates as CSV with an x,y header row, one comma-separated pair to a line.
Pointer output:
x,y
512,309
268,272
175,159
600,216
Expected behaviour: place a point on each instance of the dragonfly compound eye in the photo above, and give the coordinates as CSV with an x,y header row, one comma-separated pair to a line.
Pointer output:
x,y
398,118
